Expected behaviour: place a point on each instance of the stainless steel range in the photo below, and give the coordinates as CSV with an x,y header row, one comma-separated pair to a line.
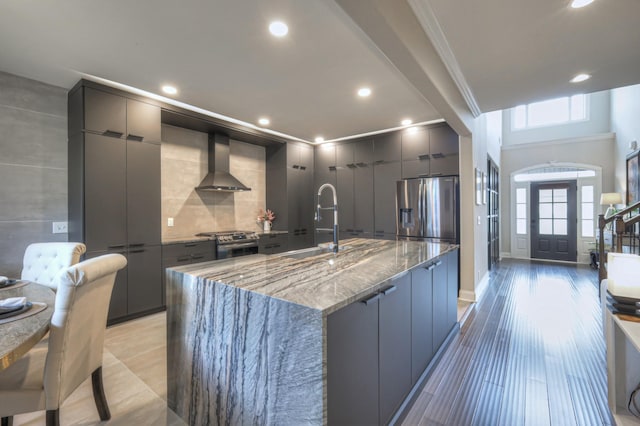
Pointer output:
x,y
233,243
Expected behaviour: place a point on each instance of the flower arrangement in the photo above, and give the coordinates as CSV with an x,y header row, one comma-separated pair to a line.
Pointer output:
x,y
266,216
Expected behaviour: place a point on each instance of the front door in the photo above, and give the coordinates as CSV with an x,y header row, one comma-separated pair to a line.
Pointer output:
x,y
553,221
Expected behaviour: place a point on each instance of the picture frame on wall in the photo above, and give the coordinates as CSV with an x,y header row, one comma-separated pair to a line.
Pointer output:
x,y
478,187
484,188
633,178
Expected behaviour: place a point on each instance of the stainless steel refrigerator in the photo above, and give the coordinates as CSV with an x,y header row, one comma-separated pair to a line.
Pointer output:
x,y
428,208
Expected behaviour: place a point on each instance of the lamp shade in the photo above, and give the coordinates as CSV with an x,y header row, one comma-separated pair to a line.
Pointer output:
x,y
609,198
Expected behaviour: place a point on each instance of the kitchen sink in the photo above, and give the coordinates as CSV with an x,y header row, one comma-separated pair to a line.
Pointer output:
x,y
311,251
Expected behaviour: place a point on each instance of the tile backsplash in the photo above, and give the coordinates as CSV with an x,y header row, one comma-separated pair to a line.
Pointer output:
x,y
184,165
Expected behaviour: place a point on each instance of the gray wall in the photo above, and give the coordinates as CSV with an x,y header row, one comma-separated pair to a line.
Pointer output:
x,y
33,166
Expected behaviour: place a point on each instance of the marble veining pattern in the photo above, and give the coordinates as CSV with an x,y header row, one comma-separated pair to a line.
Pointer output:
x,y
325,282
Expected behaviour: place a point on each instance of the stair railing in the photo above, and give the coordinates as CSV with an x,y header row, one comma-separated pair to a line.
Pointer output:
x,y
624,229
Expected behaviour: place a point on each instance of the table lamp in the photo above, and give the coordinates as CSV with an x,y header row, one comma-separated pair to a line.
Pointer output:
x,y
610,198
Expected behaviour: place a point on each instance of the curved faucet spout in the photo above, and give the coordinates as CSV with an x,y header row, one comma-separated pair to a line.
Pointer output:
x,y
335,212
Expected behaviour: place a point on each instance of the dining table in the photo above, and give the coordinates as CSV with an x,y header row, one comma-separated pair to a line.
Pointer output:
x,y
19,336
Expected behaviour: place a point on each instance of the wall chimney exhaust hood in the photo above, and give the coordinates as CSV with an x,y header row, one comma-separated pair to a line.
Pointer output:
x,y
219,178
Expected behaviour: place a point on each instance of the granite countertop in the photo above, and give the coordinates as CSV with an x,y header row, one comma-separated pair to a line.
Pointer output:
x,y
325,282
187,239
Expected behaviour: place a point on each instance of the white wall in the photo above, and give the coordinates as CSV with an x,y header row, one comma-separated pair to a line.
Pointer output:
x,y
595,150
598,122
473,218
625,122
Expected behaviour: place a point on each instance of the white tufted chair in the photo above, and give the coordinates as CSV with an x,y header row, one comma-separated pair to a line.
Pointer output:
x,y
44,261
47,375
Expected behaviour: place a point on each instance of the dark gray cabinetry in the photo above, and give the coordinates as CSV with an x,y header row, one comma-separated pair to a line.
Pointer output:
x,y
114,190
443,151
421,320
144,278
290,188
105,210
352,364
440,309
387,170
143,121
324,172
104,113
354,186
452,287
415,152
395,345
430,151
186,253
273,243
369,356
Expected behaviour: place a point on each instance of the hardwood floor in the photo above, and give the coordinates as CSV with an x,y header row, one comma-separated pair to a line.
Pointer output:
x,y
530,353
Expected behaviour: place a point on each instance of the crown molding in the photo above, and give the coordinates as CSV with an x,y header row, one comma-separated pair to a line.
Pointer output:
x,y
432,28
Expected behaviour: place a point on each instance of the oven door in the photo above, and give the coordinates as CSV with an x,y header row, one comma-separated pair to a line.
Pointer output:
x,y
226,251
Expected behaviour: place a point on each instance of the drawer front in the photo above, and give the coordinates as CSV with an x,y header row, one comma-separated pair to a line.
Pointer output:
x,y
184,253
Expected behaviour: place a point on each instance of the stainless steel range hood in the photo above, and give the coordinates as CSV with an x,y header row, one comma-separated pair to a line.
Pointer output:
x,y
219,178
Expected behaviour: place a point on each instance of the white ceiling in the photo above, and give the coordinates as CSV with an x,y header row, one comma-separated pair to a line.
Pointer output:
x,y
221,57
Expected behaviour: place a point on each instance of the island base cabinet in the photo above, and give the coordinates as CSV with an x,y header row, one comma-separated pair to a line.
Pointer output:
x,y
352,364
441,326
394,346
421,321
369,356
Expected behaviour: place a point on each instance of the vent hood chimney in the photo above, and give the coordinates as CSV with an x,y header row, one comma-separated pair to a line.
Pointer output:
x,y
219,178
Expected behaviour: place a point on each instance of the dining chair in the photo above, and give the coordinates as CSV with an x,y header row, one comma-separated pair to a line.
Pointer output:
x,y
48,374
43,262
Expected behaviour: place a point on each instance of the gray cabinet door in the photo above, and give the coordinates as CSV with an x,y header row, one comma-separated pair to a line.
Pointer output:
x,y
385,176
143,193
104,112
443,151
395,345
144,289
415,168
421,321
363,152
415,143
352,365
324,172
345,199
387,147
452,288
345,154
306,157
143,121
363,207
104,192
440,323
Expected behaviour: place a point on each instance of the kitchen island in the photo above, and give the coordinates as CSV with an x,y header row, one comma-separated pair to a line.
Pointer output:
x,y
249,339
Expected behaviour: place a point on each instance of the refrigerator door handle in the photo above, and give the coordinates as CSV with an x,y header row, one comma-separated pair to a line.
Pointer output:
x,y
420,209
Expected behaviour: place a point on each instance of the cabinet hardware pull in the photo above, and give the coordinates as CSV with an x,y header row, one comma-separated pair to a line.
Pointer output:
x,y
303,167
295,166
389,290
136,245
116,246
437,155
436,174
438,263
133,137
379,162
137,251
372,299
423,157
362,164
112,134
184,258
351,166
190,244
332,168
430,267
195,257
379,231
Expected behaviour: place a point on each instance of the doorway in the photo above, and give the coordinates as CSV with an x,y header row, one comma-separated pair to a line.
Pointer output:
x,y
554,220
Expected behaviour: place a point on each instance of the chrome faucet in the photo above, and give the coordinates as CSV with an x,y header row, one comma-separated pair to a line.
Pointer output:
x,y
335,213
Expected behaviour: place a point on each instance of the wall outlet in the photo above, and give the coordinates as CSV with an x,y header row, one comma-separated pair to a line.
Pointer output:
x,y
60,227
170,221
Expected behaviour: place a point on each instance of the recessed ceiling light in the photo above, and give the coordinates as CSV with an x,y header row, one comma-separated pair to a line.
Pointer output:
x,y
278,28
169,90
363,92
580,78
264,121
319,139
576,4
406,122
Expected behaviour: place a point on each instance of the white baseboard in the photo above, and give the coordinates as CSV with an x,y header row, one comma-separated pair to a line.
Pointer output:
x,y
504,254
476,295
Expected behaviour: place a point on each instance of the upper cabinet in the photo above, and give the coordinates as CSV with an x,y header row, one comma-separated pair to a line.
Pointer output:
x,y
143,122
104,113
430,151
355,188
387,170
